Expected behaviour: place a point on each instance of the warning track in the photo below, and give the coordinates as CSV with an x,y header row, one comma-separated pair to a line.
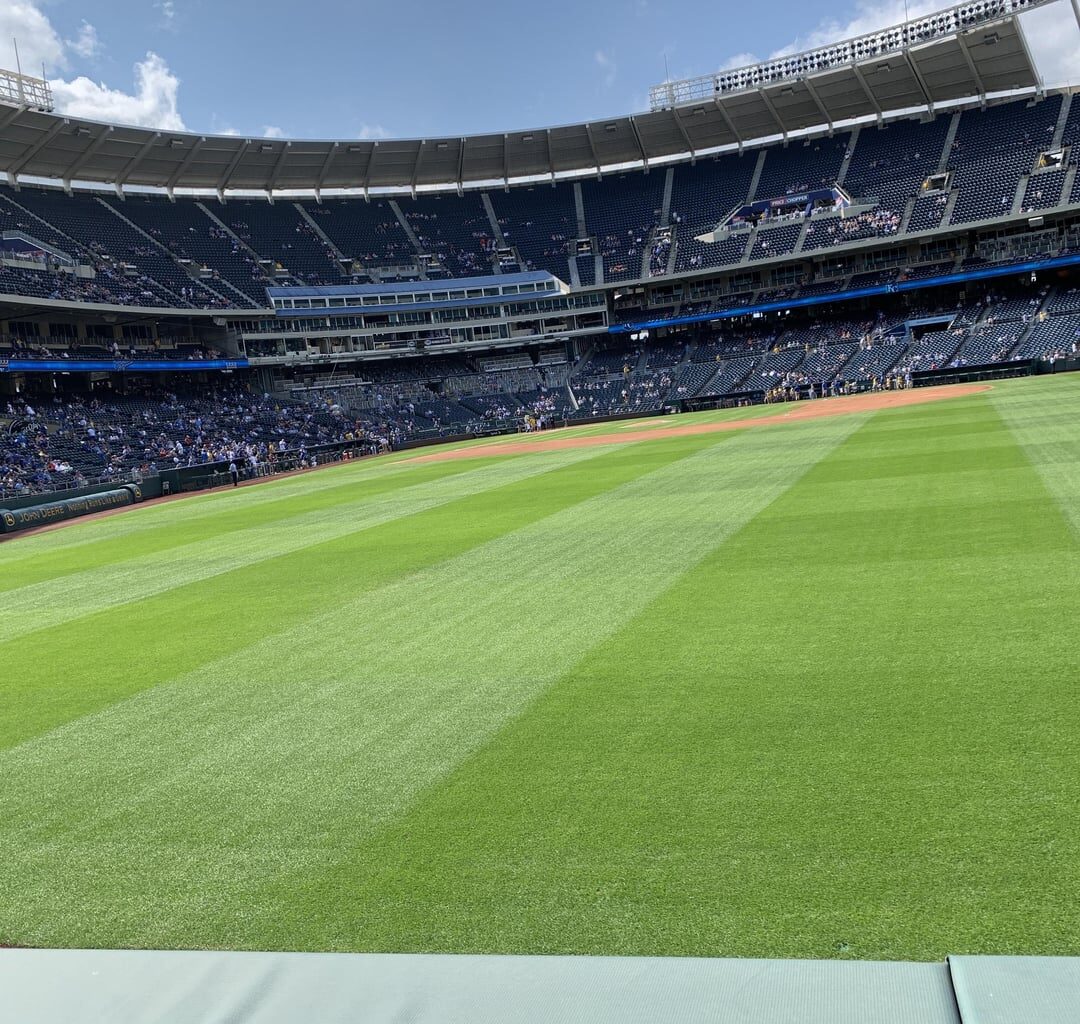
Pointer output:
x,y
811,410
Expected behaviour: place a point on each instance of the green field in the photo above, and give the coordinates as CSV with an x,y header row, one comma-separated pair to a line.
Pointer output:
x,y
807,690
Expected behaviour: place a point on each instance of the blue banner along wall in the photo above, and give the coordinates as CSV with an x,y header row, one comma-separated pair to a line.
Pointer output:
x,y
119,365
893,288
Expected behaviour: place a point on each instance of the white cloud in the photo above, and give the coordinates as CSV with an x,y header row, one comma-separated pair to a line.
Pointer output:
x,y
869,17
1054,38
606,62
168,12
39,43
268,131
372,131
86,44
151,105
738,60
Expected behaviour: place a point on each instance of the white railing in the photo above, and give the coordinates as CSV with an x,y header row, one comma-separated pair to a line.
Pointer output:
x,y
24,91
895,39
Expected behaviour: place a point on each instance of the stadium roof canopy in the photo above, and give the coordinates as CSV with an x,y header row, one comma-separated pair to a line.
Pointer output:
x,y
967,52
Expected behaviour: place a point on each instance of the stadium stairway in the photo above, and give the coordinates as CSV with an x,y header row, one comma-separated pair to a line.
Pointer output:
x,y
673,256
575,276
687,356
946,217
751,193
801,240
950,139
665,208
172,257
574,403
1063,118
405,225
239,241
751,241
1043,311
1067,185
588,350
673,251
496,227
646,253
848,155
579,209
322,235
905,220
1021,191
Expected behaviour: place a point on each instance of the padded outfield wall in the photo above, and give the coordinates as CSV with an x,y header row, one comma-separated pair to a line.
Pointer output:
x,y
95,987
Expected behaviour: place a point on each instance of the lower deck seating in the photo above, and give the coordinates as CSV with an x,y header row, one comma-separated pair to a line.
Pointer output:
x,y
872,362
822,365
55,436
1055,337
987,343
729,377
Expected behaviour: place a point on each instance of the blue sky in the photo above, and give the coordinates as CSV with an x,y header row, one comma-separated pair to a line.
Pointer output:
x,y
413,68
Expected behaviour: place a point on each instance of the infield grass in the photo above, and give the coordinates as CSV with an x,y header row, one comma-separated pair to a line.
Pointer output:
x,y
801,690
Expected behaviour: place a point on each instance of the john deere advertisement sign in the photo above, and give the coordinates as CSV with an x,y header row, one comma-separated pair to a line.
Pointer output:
x,y
12,520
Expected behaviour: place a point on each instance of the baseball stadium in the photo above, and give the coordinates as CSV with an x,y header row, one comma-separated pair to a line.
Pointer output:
x,y
623,571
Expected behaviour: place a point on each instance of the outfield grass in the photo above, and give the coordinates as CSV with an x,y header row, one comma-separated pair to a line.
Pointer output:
x,y
799,690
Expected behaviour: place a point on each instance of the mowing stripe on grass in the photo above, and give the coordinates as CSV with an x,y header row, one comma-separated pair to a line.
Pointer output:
x,y
175,527
54,601
55,675
283,755
138,518
1045,419
842,734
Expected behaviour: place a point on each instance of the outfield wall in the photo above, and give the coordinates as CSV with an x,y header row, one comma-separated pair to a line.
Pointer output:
x,y
208,475
56,986
149,486
969,374
28,517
